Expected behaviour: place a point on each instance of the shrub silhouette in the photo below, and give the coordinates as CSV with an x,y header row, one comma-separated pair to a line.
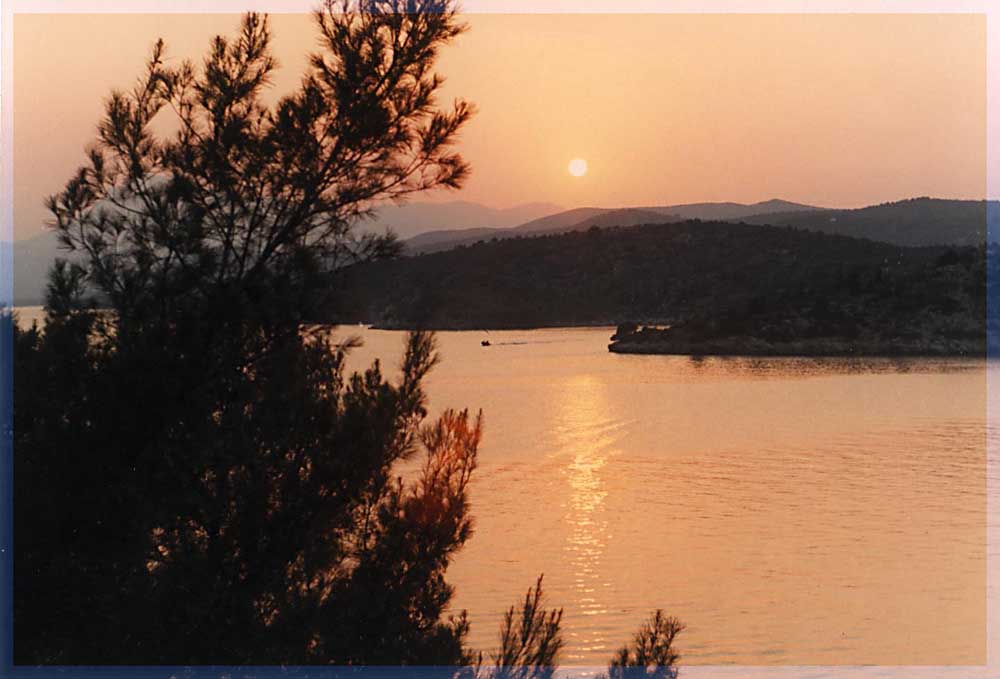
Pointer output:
x,y
198,479
652,653
530,641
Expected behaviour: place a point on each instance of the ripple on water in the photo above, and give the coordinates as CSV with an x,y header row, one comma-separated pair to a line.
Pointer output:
x,y
790,511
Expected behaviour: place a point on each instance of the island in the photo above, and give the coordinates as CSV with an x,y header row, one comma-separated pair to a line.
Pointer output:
x,y
694,287
791,338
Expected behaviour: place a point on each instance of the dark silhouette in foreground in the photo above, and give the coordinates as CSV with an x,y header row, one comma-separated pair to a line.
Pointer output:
x,y
652,653
531,641
198,480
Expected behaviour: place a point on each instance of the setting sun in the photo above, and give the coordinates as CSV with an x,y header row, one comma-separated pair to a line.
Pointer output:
x,y
578,167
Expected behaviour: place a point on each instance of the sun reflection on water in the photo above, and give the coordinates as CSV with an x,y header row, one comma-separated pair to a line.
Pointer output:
x,y
587,437
789,511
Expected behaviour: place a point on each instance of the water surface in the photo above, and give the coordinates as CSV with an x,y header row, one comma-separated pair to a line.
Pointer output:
x,y
792,511
789,510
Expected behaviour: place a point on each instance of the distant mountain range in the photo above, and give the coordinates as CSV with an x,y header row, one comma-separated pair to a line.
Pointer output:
x,y
432,227
913,222
581,219
411,219
33,256
32,259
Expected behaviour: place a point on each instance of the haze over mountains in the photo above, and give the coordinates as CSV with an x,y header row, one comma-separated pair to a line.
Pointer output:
x,y
912,222
583,218
432,227
411,219
33,256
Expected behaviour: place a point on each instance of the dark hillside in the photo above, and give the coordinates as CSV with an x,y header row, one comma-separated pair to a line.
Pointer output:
x,y
913,222
719,277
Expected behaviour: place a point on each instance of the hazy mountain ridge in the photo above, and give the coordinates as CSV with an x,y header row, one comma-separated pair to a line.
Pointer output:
x,y
562,222
32,259
729,210
627,216
411,219
581,219
432,241
558,222
912,222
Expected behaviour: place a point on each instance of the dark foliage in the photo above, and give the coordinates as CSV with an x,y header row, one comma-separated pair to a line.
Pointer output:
x,y
530,641
912,222
719,279
652,654
197,479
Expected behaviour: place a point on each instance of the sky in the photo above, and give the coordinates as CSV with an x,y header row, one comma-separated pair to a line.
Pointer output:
x,y
833,110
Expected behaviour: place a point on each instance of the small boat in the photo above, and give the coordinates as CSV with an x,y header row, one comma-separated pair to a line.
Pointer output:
x,y
485,343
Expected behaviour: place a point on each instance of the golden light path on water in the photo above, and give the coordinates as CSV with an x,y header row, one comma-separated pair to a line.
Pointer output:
x,y
788,511
589,438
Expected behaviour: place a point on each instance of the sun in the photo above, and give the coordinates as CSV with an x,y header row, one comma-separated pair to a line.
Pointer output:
x,y
578,167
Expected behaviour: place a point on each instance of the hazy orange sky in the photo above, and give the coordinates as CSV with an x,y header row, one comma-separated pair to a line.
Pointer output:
x,y
833,110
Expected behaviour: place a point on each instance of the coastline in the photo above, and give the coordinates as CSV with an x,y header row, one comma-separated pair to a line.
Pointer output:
x,y
458,327
655,342
814,348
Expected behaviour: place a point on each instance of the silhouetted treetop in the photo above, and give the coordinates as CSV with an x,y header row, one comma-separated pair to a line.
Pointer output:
x,y
652,654
244,191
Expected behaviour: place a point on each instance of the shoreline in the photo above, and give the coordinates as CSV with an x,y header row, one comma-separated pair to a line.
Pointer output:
x,y
635,344
819,348
823,347
466,328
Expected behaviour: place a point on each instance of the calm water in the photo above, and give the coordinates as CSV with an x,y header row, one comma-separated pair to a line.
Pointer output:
x,y
790,511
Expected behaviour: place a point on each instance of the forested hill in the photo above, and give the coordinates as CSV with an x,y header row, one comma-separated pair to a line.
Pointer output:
x,y
916,221
711,273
